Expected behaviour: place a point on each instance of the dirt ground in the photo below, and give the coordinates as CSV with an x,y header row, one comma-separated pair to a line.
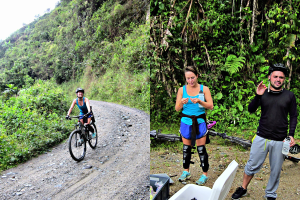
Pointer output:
x,y
219,158
118,168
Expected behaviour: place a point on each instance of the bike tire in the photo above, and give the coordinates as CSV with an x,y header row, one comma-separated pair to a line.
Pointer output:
x,y
293,159
76,148
93,141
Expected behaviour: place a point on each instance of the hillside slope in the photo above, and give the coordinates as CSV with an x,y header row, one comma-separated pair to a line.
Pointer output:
x,y
76,35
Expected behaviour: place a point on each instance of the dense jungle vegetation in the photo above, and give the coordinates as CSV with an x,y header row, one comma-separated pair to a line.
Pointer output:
x,y
232,44
99,45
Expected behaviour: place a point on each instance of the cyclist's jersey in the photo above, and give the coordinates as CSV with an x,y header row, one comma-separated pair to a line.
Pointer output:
x,y
275,107
83,109
191,108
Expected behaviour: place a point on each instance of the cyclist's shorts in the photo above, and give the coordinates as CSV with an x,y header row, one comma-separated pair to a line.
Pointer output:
x,y
89,116
186,130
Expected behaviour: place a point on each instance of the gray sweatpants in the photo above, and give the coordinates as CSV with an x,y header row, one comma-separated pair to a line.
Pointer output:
x,y
258,153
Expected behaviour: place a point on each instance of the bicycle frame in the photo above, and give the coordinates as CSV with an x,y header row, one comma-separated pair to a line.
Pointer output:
x,y
81,127
293,159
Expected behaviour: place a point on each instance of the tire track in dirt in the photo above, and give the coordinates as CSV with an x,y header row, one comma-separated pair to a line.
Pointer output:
x,y
70,192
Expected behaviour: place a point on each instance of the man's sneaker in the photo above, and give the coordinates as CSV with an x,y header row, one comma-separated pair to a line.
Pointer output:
x,y
185,175
269,198
202,180
240,192
93,135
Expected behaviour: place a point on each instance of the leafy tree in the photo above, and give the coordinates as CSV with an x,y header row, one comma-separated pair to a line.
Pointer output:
x,y
231,43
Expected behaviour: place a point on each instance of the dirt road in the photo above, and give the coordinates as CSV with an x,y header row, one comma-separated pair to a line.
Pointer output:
x,y
120,165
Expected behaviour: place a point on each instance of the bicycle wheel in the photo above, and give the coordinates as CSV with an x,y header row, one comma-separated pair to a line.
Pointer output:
x,y
77,145
93,141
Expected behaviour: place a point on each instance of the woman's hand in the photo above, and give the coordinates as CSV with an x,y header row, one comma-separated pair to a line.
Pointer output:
x,y
195,100
184,100
179,100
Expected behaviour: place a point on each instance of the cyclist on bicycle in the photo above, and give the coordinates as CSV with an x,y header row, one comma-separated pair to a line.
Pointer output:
x,y
85,109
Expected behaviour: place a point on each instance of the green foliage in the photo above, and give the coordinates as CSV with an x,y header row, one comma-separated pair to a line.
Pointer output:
x,y
119,72
216,38
9,91
233,64
32,122
60,44
82,37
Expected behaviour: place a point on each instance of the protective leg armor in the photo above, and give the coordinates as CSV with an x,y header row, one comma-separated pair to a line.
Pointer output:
x,y
203,157
186,156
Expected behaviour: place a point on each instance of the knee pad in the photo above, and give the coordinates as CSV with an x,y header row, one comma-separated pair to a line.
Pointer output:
x,y
187,152
203,157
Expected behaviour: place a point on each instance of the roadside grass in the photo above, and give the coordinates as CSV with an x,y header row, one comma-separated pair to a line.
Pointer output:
x,y
32,122
162,146
124,88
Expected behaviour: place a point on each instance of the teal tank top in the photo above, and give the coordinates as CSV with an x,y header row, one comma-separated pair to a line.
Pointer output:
x,y
191,109
83,109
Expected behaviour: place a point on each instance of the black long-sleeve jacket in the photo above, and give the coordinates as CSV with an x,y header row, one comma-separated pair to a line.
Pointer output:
x,y
275,107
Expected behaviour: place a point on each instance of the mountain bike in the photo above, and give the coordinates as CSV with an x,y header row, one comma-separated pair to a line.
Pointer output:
x,y
245,143
79,137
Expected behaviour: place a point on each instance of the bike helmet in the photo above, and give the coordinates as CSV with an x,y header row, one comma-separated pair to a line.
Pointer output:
x,y
278,67
79,90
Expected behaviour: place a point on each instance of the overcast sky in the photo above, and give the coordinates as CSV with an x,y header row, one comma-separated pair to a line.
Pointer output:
x,y
13,13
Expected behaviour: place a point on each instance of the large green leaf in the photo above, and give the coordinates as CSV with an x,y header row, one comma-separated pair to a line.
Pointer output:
x,y
219,96
234,64
240,106
290,40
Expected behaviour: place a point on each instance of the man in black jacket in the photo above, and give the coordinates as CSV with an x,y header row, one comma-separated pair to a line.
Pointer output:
x,y
276,104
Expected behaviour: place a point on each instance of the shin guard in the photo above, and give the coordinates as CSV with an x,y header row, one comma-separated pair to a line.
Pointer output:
x,y
203,157
186,156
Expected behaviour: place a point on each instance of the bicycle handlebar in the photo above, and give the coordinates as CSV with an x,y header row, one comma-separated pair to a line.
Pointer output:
x,y
75,116
78,116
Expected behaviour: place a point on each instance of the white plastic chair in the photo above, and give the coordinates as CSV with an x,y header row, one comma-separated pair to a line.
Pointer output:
x,y
219,190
